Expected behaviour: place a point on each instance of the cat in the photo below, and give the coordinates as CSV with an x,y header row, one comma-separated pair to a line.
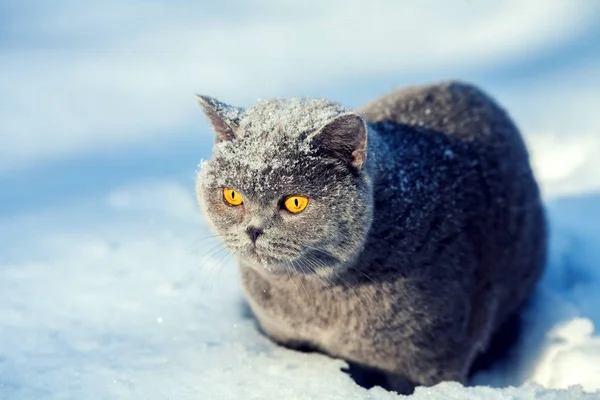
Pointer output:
x,y
399,236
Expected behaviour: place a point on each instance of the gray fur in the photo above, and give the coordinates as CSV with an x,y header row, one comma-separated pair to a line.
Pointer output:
x,y
407,261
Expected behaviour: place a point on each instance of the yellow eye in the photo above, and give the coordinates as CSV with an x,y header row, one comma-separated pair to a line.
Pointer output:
x,y
232,197
295,204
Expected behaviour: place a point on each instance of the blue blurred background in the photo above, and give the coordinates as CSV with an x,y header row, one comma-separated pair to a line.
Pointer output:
x,y
98,94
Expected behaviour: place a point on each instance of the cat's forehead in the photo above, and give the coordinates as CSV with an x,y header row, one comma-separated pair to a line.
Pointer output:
x,y
281,119
262,168
270,155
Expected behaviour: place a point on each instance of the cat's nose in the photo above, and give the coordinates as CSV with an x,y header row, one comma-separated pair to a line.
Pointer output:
x,y
254,232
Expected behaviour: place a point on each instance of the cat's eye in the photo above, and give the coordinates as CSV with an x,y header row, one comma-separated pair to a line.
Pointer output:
x,y
232,197
295,204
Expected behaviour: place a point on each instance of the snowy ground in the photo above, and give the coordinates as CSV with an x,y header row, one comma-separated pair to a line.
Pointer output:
x,y
127,297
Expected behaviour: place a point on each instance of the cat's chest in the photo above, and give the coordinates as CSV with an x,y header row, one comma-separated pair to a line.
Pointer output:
x,y
300,309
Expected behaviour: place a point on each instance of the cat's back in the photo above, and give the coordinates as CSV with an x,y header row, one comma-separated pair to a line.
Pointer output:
x,y
498,200
452,107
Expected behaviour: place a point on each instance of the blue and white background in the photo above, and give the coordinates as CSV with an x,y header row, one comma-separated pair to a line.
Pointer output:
x,y
110,284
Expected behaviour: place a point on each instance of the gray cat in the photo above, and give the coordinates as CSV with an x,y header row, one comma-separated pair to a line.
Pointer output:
x,y
398,237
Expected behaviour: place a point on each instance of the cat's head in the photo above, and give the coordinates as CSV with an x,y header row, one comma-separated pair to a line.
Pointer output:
x,y
286,188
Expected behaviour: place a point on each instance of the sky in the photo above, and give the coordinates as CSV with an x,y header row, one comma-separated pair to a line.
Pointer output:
x,y
101,136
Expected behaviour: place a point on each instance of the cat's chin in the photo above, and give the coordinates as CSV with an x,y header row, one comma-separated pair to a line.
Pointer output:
x,y
313,262
275,266
265,263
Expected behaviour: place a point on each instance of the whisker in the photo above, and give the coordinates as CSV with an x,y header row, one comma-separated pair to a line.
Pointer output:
x,y
363,273
290,279
351,267
214,250
347,285
193,249
329,284
211,254
219,259
195,242
302,283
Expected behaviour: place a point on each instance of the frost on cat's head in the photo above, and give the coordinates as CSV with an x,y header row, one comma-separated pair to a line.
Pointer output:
x,y
266,145
271,118
288,117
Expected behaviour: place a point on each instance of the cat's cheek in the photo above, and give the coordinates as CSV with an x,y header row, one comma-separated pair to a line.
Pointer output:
x,y
226,214
308,224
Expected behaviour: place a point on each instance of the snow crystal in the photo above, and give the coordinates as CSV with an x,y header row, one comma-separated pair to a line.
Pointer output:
x,y
231,114
291,117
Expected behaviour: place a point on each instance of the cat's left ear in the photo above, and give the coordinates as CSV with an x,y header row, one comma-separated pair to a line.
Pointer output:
x,y
345,136
224,118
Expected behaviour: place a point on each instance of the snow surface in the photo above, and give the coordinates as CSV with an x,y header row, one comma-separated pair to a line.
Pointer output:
x,y
129,297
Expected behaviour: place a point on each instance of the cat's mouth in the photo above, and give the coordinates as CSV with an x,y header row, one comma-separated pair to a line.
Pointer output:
x,y
304,263
267,259
259,255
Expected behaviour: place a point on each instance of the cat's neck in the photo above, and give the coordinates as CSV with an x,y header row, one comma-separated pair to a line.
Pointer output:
x,y
377,150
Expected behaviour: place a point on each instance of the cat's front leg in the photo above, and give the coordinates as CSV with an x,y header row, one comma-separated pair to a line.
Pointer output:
x,y
426,369
399,383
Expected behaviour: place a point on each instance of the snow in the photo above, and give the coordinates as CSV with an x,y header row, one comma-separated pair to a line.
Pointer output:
x,y
291,116
129,297
568,165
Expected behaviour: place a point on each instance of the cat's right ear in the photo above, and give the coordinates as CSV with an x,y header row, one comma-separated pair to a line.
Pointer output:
x,y
224,118
345,136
